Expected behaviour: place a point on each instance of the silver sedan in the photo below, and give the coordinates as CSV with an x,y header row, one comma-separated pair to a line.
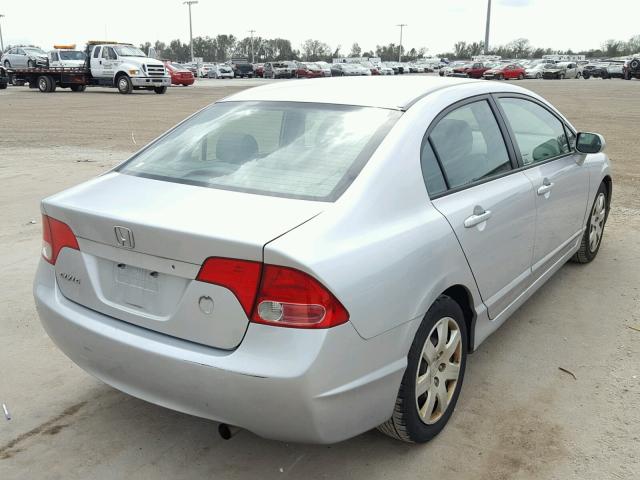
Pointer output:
x,y
309,263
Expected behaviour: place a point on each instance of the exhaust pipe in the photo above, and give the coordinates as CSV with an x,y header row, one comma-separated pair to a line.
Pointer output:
x,y
227,431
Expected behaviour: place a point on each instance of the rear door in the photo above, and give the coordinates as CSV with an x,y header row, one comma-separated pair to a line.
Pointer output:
x,y
490,207
556,170
96,62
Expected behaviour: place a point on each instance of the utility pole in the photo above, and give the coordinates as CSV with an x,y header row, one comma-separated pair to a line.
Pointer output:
x,y
1,40
252,32
190,2
486,33
401,25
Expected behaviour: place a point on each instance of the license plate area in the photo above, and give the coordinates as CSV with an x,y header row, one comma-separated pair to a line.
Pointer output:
x,y
137,278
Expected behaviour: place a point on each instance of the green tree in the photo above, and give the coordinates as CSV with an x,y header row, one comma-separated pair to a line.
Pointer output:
x,y
356,51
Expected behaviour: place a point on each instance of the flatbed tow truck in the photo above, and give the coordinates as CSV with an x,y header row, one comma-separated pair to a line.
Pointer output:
x,y
108,64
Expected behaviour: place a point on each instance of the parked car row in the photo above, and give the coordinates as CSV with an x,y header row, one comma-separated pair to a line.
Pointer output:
x,y
542,68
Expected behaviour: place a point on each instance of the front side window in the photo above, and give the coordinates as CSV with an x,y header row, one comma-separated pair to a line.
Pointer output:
x,y
539,134
469,144
287,149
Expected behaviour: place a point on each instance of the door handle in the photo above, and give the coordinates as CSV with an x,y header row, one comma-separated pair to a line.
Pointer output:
x,y
546,187
479,215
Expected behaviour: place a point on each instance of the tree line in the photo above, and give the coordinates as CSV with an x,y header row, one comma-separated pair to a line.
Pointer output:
x,y
223,47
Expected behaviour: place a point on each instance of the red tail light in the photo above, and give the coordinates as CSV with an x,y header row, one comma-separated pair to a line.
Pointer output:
x,y
291,298
274,295
239,276
56,235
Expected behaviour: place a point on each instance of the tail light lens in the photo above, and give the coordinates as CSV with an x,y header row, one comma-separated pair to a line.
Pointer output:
x,y
274,295
239,276
56,235
291,298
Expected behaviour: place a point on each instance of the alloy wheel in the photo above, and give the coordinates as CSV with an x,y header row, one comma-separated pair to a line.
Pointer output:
x,y
438,370
596,223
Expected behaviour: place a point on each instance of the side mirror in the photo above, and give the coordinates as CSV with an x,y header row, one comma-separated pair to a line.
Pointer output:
x,y
590,143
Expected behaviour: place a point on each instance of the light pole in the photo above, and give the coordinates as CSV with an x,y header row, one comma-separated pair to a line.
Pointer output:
x,y
486,33
252,32
401,25
1,40
190,2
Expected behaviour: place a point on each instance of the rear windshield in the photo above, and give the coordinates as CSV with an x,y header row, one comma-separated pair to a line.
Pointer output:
x,y
287,149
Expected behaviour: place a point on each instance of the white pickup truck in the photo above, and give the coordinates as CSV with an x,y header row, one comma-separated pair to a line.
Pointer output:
x,y
127,68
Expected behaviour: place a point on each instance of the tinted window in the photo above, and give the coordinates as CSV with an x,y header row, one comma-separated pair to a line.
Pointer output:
x,y
469,144
286,149
431,172
96,52
538,133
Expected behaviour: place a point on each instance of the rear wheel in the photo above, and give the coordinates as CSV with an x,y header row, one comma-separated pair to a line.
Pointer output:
x,y
124,85
592,238
521,76
78,88
160,90
538,76
432,381
44,83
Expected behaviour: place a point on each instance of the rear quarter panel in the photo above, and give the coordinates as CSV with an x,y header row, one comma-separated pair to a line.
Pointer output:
x,y
382,248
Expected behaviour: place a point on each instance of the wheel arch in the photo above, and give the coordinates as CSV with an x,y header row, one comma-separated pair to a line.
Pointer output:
x,y
118,75
608,183
462,296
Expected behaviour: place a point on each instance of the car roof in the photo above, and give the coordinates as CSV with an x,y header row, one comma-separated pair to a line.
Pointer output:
x,y
376,91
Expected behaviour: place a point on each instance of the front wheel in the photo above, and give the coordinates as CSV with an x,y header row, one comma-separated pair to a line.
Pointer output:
x,y
521,76
592,238
31,64
433,378
7,65
538,76
124,85
160,90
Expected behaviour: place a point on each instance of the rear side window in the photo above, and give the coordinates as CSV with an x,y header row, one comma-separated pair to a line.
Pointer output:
x,y
538,133
96,52
287,149
433,178
469,145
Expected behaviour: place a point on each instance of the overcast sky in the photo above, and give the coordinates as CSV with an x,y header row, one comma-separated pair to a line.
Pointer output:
x,y
434,24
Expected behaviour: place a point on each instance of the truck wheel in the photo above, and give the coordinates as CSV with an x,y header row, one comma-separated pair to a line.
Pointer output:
x,y
124,85
44,83
78,88
160,90
52,84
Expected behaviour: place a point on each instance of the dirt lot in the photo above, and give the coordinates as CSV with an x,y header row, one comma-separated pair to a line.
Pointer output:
x,y
519,416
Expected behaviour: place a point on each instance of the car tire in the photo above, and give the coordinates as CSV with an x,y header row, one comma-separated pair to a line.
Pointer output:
x,y
592,238
7,64
538,76
44,83
78,88
124,84
521,76
586,76
561,76
160,90
31,64
442,329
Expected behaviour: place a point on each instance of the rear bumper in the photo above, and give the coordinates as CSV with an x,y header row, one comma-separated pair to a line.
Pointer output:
x,y
151,81
309,386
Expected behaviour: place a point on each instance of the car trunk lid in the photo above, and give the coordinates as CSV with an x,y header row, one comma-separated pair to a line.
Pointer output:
x,y
143,241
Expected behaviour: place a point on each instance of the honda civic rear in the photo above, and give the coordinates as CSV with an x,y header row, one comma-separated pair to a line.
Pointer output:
x,y
155,277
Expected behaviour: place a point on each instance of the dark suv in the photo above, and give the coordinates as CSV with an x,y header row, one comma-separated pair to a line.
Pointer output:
x,y
631,68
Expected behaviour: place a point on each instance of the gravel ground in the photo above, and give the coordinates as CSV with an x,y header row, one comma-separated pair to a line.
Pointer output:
x,y
519,416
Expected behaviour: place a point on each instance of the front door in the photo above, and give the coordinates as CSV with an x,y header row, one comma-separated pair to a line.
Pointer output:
x,y
557,174
490,207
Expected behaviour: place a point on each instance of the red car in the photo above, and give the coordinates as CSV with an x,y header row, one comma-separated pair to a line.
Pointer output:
x,y
179,74
471,70
258,70
308,70
505,72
